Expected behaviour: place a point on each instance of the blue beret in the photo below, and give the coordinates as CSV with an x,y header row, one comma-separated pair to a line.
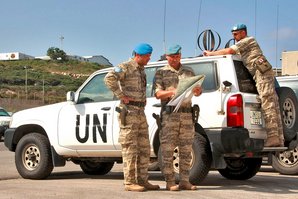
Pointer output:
x,y
173,50
239,26
143,49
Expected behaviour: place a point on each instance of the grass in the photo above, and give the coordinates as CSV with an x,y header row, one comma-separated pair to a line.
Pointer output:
x,y
44,80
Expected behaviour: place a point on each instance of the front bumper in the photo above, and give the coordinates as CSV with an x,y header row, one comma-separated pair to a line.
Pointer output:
x,y
8,138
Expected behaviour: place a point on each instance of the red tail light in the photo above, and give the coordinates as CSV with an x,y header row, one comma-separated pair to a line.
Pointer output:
x,y
235,116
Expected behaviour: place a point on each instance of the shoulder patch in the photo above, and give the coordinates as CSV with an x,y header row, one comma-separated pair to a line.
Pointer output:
x,y
117,69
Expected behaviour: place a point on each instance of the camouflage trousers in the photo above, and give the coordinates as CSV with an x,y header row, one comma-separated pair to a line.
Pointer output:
x,y
270,104
177,130
134,140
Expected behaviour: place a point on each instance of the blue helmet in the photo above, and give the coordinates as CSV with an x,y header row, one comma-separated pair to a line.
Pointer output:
x,y
239,26
173,50
143,49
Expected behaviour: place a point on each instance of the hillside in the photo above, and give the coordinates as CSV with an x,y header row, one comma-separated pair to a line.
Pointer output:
x,y
45,81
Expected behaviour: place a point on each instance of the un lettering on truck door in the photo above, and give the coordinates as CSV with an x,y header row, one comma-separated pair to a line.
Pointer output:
x,y
86,126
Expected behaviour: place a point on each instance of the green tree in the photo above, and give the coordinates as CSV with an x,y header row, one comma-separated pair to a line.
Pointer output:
x,y
56,54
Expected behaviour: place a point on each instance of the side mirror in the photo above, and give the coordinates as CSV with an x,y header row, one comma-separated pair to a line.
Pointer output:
x,y
157,105
70,96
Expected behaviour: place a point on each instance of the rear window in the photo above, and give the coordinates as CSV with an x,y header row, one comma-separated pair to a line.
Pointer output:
x,y
245,80
209,70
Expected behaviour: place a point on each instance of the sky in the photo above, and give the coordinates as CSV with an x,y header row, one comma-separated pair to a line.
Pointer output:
x,y
112,28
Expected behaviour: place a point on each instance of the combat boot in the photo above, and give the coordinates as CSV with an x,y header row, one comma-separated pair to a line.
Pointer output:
x,y
134,187
171,186
273,141
184,185
150,186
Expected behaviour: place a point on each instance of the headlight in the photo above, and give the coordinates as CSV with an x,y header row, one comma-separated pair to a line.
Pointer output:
x,y
4,123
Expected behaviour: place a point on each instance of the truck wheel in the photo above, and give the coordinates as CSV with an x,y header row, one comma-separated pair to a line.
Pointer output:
x,y
33,157
288,108
200,161
286,162
241,168
96,168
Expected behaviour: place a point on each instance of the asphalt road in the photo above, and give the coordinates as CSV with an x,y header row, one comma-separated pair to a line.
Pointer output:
x,y
70,182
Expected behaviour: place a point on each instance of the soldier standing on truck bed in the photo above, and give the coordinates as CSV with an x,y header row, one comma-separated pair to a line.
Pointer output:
x,y
177,127
128,83
261,70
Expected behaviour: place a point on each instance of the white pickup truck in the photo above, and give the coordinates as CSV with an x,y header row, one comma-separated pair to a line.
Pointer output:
x,y
84,129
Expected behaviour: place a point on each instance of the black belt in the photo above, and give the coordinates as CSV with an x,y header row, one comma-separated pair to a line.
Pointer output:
x,y
135,103
170,109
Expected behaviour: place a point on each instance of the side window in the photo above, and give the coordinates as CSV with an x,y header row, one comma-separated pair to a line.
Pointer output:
x,y
209,70
3,113
150,73
95,91
245,79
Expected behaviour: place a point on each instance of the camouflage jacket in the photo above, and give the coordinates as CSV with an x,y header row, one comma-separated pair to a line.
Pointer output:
x,y
128,79
250,52
168,77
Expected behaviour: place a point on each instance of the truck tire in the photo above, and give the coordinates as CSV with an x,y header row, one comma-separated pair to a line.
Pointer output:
x,y
241,168
33,157
286,162
202,159
289,113
200,163
96,168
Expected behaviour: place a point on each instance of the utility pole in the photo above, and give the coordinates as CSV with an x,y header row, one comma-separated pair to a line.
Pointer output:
x,y
26,82
43,90
61,41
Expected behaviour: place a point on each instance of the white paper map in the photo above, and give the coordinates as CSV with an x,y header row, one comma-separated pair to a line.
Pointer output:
x,y
184,90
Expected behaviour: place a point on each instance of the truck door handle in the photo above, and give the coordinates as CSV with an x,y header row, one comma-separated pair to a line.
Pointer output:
x,y
157,105
106,108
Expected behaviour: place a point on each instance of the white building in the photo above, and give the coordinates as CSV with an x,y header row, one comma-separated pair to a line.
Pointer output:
x,y
14,56
45,57
98,59
289,63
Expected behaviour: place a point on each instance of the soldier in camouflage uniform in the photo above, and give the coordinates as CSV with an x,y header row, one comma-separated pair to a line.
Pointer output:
x,y
128,83
261,70
177,127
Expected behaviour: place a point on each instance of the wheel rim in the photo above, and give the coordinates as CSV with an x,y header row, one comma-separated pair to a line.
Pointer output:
x,y
31,157
288,158
289,113
176,159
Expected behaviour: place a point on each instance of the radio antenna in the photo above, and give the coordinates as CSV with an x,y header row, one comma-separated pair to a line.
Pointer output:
x,y
276,42
164,26
255,18
199,16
